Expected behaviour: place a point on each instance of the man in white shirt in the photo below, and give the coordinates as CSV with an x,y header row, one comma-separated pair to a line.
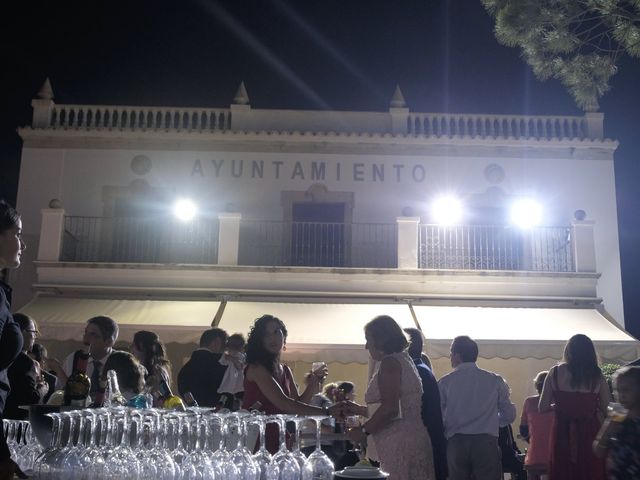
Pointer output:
x,y
474,403
100,334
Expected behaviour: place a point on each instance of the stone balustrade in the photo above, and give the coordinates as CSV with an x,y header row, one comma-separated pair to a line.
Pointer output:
x,y
498,126
48,115
138,118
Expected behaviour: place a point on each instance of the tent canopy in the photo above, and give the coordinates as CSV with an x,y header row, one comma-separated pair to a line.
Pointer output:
x,y
334,331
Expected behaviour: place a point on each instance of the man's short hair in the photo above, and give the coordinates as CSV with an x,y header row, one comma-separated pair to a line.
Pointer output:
x,y
466,348
107,326
415,342
210,335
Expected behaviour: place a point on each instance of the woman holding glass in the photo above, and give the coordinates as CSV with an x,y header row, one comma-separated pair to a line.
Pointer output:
x,y
271,383
11,248
394,406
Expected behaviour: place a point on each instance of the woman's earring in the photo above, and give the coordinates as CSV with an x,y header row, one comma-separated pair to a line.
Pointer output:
x,y
284,348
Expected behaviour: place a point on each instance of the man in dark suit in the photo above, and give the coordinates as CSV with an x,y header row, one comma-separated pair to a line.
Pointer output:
x,y
202,374
431,413
28,386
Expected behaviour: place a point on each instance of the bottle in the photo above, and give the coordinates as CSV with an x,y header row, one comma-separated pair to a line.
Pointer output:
x,y
190,400
222,403
98,399
113,397
139,401
78,386
168,399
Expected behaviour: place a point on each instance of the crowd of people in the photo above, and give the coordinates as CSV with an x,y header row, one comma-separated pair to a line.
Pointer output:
x,y
415,426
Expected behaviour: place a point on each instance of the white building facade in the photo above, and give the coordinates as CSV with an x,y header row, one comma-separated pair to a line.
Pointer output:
x,y
314,213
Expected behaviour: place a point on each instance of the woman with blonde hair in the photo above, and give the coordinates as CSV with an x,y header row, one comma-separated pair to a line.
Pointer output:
x,y
394,405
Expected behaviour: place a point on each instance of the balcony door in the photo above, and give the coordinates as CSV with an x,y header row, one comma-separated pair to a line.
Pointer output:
x,y
318,234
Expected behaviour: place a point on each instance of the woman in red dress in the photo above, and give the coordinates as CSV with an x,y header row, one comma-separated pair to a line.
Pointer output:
x,y
578,394
271,383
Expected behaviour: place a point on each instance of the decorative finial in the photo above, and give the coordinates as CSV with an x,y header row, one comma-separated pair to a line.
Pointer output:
x,y
397,101
241,98
46,92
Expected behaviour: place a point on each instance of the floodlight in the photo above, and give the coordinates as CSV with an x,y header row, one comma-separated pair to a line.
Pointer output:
x,y
526,213
447,210
185,210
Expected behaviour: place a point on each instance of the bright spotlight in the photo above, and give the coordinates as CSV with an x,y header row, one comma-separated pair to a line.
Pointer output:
x,y
185,210
447,210
526,213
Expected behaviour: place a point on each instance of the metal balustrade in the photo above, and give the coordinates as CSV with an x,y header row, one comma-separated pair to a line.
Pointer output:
x,y
140,240
495,247
317,244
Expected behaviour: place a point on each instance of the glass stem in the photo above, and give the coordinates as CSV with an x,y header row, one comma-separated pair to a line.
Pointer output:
x,y
318,431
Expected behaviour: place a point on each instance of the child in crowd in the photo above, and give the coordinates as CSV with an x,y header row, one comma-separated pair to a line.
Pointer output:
x,y
619,437
232,385
535,428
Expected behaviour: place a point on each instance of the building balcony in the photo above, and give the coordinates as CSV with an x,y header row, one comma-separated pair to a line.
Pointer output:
x,y
230,255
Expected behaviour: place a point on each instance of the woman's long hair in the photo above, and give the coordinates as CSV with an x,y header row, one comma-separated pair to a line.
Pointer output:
x,y
582,361
256,353
154,352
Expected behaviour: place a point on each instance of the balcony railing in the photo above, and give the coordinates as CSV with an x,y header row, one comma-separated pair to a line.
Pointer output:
x,y
482,247
273,243
316,244
140,240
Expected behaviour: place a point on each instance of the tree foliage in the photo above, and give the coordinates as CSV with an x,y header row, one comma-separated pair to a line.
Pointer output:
x,y
579,42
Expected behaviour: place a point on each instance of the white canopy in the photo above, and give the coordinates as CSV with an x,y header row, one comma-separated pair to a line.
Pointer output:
x,y
334,331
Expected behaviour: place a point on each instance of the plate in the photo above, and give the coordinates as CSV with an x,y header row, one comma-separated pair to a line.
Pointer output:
x,y
362,473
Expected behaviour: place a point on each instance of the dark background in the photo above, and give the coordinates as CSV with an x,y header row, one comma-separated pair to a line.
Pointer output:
x,y
329,54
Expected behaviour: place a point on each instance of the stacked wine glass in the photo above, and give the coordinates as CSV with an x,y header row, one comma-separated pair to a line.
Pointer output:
x,y
22,443
196,444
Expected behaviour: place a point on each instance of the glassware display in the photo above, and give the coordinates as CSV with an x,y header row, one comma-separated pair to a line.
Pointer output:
x,y
121,442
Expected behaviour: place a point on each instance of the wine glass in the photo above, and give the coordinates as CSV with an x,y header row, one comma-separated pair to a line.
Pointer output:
x,y
318,466
44,465
197,464
241,456
158,463
287,465
32,448
262,457
91,459
300,457
221,458
70,462
179,453
122,462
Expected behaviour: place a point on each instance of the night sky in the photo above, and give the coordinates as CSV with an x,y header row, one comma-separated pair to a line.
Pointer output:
x,y
329,54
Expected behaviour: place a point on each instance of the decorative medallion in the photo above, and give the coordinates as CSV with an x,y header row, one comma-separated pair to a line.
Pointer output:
x,y
494,173
141,165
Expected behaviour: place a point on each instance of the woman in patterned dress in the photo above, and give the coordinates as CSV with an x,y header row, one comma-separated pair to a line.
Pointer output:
x,y
394,401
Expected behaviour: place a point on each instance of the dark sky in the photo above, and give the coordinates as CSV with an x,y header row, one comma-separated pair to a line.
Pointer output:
x,y
334,54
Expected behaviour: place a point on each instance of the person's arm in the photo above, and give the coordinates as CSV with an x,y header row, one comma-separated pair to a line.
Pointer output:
x,y
601,444
604,396
389,384
313,382
546,397
506,408
274,393
524,420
